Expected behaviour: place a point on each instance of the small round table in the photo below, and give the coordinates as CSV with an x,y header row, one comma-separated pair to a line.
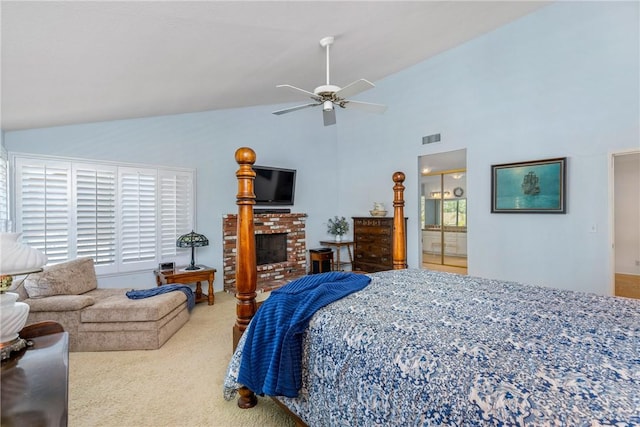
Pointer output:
x,y
337,265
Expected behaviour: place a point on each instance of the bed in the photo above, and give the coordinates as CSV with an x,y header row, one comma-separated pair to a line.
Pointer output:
x,y
418,347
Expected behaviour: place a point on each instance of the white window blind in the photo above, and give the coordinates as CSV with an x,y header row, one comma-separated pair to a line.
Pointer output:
x,y
4,190
125,217
175,211
43,200
138,231
95,190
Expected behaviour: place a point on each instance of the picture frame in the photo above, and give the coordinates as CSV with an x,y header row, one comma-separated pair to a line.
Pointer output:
x,y
163,266
537,186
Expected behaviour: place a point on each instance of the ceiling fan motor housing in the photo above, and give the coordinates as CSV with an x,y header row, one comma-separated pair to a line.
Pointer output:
x,y
327,91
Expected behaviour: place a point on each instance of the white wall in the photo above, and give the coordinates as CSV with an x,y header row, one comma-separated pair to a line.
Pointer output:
x,y
560,82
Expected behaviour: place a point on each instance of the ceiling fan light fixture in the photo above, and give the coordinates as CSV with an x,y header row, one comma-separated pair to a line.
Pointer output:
x,y
327,105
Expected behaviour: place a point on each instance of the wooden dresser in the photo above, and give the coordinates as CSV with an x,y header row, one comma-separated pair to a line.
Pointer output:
x,y
373,249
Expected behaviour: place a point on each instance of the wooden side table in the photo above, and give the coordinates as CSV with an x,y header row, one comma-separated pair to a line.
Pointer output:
x,y
321,260
337,266
35,380
185,277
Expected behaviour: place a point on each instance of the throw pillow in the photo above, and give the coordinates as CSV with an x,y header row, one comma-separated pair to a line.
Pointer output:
x,y
68,278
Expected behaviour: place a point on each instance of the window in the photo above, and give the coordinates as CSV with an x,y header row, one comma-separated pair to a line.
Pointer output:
x,y
454,213
5,225
96,223
125,217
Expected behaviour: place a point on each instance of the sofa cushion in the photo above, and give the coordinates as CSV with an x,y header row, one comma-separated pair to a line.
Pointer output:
x,y
68,278
60,303
119,308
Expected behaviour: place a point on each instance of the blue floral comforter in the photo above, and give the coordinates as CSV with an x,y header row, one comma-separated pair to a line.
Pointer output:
x,y
418,347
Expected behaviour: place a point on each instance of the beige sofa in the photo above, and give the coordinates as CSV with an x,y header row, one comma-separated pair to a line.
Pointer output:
x,y
101,319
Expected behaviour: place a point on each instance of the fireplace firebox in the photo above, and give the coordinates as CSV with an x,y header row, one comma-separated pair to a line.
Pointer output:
x,y
271,248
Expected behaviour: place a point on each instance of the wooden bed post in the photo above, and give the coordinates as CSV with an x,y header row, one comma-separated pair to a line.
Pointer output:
x,y
399,232
246,272
245,244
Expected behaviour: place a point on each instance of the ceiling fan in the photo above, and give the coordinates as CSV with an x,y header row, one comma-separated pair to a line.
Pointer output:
x,y
329,95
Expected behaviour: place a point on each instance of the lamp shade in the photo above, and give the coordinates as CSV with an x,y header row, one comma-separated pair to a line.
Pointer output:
x,y
192,240
17,258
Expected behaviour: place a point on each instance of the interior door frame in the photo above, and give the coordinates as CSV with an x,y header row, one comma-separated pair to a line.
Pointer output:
x,y
612,217
443,163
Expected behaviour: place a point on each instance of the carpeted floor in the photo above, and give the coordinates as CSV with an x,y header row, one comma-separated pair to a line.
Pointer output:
x,y
178,385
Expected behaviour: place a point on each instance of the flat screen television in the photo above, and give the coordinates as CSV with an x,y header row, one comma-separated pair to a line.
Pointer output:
x,y
274,186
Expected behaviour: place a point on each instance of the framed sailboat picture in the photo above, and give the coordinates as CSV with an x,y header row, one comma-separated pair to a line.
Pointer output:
x,y
529,187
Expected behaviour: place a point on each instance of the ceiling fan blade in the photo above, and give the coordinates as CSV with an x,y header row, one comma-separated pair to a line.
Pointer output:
x,y
299,107
329,117
365,106
298,90
354,88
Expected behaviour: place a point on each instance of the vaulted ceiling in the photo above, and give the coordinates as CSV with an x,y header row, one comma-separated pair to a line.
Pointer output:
x,y
68,62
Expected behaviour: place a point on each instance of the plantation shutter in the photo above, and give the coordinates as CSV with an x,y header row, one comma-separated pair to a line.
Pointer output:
x,y
43,194
176,212
4,191
95,189
125,217
138,192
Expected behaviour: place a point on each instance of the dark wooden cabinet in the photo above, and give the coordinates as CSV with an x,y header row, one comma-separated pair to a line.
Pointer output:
x,y
35,380
373,249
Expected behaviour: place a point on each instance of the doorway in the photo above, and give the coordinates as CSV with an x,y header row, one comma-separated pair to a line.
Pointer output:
x,y
626,224
443,211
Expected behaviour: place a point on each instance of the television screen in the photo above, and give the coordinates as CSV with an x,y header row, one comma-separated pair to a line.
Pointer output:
x,y
274,186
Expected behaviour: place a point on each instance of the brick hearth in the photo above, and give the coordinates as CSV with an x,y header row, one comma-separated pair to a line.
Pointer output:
x,y
270,276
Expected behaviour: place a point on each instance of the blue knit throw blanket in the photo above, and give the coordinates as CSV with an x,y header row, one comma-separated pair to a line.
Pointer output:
x,y
272,354
146,293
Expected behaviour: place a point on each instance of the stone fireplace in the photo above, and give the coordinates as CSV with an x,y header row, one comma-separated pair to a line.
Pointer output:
x,y
277,234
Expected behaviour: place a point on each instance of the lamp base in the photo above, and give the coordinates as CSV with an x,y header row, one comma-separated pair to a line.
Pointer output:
x,y
13,316
6,348
193,267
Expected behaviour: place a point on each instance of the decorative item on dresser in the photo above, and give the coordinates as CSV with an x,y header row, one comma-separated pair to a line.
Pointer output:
x,y
373,243
378,209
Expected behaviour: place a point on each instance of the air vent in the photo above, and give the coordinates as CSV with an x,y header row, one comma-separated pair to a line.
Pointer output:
x,y
430,139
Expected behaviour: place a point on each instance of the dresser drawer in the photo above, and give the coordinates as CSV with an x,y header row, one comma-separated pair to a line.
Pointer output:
x,y
374,231
374,257
372,222
369,239
373,248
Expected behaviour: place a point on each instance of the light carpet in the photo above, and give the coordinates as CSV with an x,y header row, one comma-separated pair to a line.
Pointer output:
x,y
179,384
